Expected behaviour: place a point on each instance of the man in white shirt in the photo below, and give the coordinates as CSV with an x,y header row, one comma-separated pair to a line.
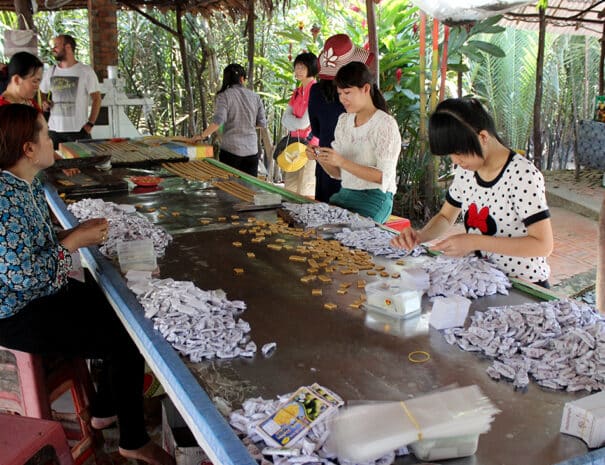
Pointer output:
x,y
73,87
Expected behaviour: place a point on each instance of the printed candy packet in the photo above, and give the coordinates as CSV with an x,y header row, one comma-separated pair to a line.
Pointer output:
x,y
293,419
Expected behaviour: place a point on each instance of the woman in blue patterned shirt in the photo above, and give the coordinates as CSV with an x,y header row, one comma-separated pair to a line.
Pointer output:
x,y
42,311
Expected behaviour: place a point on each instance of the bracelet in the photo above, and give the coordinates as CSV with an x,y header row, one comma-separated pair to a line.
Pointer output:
x,y
91,124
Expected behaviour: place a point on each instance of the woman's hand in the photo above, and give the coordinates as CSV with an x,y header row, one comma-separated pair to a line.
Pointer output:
x,y
457,245
312,152
407,239
89,232
330,157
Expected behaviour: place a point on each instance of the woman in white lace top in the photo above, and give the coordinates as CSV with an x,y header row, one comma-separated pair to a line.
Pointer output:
x,y
366,146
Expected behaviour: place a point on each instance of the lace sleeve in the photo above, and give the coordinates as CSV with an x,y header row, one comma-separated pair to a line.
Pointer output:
x,y
387,143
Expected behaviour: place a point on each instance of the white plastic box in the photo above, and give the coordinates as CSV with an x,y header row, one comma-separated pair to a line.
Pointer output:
x,y
449,312
445,448
585,419
266,198
177,440
391,297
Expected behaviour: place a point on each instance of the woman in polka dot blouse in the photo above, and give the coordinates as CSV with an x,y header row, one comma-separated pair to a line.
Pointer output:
x,y
499,192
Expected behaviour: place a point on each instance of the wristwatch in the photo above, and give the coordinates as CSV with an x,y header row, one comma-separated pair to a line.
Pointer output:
x,y
90,123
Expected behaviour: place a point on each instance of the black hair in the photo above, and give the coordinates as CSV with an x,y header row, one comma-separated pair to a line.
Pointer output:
x,y
232,76
18,124
357,74
455,125
23,64
309,60
67,39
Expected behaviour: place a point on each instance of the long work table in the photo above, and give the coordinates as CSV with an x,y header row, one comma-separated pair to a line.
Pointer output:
x,y
357,355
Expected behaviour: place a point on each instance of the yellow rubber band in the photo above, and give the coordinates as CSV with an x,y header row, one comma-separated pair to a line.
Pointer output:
x,y
413,356
412,419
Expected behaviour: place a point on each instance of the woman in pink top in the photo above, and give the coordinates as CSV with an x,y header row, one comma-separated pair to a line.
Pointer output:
x,y
296,120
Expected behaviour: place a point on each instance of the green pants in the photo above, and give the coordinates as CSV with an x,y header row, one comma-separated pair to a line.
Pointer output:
x,y
372,203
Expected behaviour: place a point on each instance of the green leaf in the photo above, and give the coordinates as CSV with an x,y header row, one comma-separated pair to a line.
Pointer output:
x,y
486,47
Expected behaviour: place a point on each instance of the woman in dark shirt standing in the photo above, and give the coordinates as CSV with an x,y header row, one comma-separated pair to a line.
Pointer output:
x,y
324,105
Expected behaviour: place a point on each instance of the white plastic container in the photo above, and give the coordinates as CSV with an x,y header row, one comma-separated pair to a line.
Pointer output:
x,y
266,198
392,298
449,312
137,255
445,448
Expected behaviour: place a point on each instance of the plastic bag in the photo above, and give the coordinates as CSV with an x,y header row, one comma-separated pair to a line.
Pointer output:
x,y
451,12
20,40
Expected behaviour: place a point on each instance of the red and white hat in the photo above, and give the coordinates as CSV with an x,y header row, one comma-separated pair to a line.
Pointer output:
x,y
339,51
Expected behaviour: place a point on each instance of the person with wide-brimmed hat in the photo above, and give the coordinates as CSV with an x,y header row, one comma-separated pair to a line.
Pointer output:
x,y
324,106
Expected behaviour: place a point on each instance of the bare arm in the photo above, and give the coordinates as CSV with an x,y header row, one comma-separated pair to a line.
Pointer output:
x,y
95,107
436,227
537,243
334,163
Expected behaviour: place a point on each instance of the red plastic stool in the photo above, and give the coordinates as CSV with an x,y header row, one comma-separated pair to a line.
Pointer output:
x,y
23,438
38,382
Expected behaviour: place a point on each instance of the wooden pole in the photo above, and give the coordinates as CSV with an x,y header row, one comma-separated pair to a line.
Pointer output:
x,y
602,62
538,98
185,63
24,14
601,262
373,38
251,44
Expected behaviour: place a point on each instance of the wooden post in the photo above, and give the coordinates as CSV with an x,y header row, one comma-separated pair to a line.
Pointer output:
x,y
23,10
251,44
185,63
373,38
538,98
602,62
601,262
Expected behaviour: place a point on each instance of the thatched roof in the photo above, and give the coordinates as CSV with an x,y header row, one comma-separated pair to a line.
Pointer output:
x,y
203,7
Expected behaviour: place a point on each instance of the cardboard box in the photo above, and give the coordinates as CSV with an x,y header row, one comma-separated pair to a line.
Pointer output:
x,y
178,440
585,419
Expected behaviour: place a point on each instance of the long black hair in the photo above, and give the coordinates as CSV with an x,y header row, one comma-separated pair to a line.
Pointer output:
x,y
357,74
455,125
232,76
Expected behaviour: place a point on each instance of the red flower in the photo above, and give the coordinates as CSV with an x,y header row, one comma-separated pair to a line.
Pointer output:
x,y
363,24
398,74
366,46
355,8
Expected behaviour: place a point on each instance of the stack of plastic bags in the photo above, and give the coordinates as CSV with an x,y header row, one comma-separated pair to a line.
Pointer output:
x,y
437,426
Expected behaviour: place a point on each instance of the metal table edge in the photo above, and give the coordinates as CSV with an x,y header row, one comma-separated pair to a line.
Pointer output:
x,y
208,426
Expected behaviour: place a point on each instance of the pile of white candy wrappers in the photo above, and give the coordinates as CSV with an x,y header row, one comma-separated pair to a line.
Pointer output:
x,y
124,225
561,344
312,215
199,324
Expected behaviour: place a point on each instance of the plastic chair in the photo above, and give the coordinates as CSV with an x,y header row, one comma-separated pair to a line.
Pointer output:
x,y
23,439
31,384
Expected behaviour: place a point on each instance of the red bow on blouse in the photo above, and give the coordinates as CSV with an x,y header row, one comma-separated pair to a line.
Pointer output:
x,y
477,219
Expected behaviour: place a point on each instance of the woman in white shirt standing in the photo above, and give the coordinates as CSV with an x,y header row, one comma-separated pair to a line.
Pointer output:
x,y
366,146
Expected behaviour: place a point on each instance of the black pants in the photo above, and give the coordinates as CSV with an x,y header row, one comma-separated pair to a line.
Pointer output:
x,y
78,321
60,137
247,164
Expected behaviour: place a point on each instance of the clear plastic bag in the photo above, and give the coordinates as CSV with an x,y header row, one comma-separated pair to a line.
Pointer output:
x,y
451,12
